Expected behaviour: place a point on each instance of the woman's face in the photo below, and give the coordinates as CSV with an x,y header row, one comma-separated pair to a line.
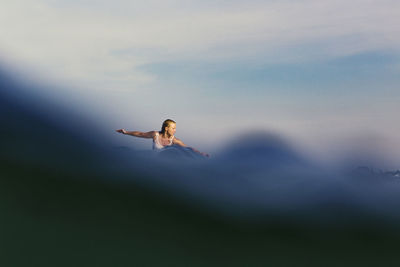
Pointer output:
x,y
171,129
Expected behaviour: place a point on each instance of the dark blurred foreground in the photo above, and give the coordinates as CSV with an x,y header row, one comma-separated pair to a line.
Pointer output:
x,y
60,206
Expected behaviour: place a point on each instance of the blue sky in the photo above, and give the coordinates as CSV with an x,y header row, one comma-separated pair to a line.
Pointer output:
x,y
321,72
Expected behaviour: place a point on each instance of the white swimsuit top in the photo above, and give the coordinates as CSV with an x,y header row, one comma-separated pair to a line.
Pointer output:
x,y
157,144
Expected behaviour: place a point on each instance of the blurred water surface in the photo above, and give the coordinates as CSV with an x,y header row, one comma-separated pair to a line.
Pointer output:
x,y
69,197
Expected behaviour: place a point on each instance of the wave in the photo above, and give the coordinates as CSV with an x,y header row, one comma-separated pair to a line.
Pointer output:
x,y
258,178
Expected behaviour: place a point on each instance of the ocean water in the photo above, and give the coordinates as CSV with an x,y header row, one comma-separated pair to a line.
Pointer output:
x,y
70,198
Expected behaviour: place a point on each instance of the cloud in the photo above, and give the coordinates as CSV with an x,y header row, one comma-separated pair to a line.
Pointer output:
x,y
83,38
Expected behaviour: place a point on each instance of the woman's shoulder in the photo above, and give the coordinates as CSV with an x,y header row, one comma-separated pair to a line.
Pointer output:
x,y
175,139
152,134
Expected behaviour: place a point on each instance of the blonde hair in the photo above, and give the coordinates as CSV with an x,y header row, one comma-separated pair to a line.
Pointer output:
x,y
166,124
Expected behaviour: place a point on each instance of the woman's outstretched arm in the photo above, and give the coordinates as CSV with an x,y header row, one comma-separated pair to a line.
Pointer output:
x,y
137,133
176,141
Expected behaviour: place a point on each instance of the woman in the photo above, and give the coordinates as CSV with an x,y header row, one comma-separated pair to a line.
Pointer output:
x,y
163,139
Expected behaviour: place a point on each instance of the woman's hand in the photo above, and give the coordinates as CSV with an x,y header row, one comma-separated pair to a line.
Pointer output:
x,y
121,131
